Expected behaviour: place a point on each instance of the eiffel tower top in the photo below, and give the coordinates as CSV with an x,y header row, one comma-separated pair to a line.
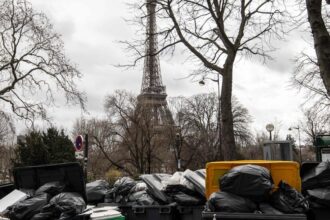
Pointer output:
x,y
152,84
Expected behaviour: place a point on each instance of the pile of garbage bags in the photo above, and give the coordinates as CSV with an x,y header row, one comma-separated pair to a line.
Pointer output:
x,y
316,185
183,188
250,189
50,201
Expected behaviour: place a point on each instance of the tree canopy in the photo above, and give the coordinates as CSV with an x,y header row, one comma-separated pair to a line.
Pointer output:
x,y
37,148
33,66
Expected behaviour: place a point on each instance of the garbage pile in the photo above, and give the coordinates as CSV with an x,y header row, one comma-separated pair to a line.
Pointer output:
x,y
250,189
316,186
52,200
182,188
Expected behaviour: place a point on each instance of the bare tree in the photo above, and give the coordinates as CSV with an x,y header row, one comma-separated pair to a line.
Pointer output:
x,y
104,152
315,124
144,146
321,39
197,118
310,74
7,135
216,32
307,78
7,129
33,66
241,122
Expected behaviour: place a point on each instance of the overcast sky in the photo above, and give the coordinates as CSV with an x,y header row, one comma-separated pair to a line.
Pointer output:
x,y
90,31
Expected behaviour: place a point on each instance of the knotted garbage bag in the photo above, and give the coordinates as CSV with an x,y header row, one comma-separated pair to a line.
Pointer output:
x,y
52,188
288,200
121,189
27,208
251,181
64,206
96,191
184,196
141,198
227,202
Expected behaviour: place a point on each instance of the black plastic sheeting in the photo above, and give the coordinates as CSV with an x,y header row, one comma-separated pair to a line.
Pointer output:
x,y
319,196
288,200
227,202
27,208
96,191
251,181
52,188
317,177
64,206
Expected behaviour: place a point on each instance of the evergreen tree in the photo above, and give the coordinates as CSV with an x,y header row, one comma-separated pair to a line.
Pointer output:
x,y
31,151
59,145
49,147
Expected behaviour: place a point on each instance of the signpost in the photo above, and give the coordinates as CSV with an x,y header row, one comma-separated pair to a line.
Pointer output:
x,y
81,147
78,144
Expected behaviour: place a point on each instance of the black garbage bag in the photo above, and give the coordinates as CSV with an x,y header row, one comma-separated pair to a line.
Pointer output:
x,y
184,199
197,179
140,186
319,196
156,186
27,208
121,189
251,181
227,202
288,200
52,188
266,208
141,198
64,206
317,177
184,196
68,204
96,191
124,185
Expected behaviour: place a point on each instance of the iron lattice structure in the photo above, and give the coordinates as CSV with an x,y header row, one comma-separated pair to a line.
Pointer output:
x,y
153,93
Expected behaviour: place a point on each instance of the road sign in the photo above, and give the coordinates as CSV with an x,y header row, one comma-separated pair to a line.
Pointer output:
x,y
79,155
79,143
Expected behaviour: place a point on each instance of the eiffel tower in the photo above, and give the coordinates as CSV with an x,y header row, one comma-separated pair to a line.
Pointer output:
x,y
153,93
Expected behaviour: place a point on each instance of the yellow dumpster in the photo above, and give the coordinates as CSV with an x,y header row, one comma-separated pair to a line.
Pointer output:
x,y
287,171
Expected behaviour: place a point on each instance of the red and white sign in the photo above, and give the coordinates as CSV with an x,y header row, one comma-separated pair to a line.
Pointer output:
x,y
78,144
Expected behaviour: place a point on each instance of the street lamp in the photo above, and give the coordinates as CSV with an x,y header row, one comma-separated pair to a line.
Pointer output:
x,y
298,128
270,128
178,145
202,83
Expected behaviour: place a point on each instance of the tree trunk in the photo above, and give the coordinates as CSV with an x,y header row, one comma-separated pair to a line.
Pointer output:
x,y
321,39
227,131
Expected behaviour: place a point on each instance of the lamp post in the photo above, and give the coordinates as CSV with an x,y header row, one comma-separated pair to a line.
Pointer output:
x,y
202,83
270,128
298,129
178,143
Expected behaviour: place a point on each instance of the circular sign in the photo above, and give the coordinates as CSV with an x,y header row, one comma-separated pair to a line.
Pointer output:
x,y
270,127
79,143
